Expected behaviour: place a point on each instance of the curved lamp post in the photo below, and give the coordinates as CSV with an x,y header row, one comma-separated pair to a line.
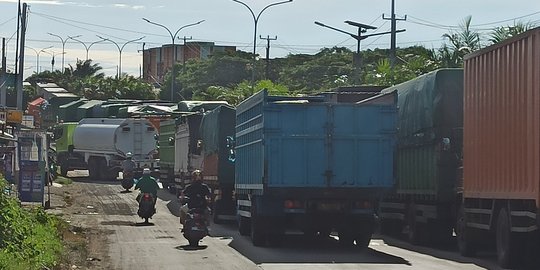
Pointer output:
x,y
173,37
37,55
63,45
89,46
256,21
120,49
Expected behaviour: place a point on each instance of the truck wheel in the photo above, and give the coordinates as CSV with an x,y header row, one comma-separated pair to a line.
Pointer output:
x,y
466,245
244,226
415,232
346,238
507,249
64,167
258,236
93,169
216,212
362,239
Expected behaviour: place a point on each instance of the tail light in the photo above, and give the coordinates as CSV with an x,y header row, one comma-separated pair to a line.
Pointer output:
x,y
293,204
147,197
362,204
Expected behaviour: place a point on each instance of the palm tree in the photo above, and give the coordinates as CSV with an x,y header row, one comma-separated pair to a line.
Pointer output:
x,y
504,32
462,42
85,69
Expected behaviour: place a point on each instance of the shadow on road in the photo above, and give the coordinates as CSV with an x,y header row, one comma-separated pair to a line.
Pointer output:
x,y
300,249
191,248
447,251
118,223
143,224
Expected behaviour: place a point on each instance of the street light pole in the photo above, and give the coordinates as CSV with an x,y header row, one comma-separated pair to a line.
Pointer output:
x,y
120,49
173,37
63,45
256,21
53,54
87,47
37,55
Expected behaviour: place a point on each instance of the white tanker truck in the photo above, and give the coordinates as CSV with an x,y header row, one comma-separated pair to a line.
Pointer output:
x,y
100,145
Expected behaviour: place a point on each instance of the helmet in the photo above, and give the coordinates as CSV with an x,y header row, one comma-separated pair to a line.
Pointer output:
x,y
146,171
129,155
196,175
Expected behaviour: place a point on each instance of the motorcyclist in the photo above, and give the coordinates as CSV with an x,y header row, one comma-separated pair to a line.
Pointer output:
x,y
147,184
128,166
198,194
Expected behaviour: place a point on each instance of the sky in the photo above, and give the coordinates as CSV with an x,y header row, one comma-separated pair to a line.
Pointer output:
x,y
229,23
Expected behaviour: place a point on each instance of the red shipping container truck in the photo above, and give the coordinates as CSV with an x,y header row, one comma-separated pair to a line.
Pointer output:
x,y
501,147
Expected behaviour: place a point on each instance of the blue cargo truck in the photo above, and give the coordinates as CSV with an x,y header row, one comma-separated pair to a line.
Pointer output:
x,y
312,165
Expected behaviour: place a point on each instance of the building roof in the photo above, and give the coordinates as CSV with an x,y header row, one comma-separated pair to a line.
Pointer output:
x,y
46,85
36,102
63,94
91,103
55,90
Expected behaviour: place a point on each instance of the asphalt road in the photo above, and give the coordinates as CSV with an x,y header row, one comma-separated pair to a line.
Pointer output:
x,y
133,245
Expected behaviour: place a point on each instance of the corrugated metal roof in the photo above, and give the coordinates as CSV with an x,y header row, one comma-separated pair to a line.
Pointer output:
x,y
75,102
91,103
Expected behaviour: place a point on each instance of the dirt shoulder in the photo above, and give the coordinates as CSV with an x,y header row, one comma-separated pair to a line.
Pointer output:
x,y
86,245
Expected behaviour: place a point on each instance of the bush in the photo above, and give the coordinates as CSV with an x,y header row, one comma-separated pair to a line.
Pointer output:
x,y
29,237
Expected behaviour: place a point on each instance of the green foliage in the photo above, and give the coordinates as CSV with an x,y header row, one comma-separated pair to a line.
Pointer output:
x,y
505,32
86,81
29,238
242,91
462,42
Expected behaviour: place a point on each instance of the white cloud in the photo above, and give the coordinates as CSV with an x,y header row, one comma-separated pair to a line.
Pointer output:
x,y
128,6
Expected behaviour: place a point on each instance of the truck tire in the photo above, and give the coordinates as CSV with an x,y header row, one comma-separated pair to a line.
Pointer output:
x,y
416,232
362,239
258,235
466,245
507,242
216,212
64,168
93,170
244,226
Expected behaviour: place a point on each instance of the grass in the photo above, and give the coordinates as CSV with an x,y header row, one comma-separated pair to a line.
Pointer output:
x,y
63,180
29,237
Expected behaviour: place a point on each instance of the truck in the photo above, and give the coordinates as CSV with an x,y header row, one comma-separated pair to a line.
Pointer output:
x,y
100,145
308,165
179,143
501,146
428,158
217,129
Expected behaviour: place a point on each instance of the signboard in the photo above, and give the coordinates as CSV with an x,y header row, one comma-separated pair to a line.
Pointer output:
x,y
32,164
11,116
28,121
14,116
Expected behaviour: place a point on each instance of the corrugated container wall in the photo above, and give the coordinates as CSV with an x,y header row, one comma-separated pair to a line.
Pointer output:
x,y
502,120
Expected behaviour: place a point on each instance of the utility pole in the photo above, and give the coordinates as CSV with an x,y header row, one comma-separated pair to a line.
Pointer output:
x,y
3,76
184,53
393,32
362,28
268,39
19,84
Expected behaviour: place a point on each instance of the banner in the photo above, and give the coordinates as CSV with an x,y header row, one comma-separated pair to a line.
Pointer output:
x,y
32,162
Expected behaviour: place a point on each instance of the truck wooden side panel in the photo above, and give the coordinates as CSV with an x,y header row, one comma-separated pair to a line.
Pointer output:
x,y
502,120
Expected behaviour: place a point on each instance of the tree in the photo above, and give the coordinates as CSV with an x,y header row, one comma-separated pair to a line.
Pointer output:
x,y
505,32
462,42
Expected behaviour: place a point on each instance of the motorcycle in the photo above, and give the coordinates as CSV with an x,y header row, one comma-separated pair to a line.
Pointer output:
x,y
146,206
195,225
127,180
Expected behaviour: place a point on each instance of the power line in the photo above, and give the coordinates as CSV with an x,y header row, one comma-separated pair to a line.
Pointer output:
x,y
97,25
9,20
